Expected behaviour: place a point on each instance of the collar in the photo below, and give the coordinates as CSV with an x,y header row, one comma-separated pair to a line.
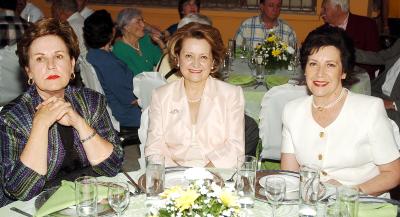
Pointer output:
x,y
344,24
260,17
36,99
208,93
75,16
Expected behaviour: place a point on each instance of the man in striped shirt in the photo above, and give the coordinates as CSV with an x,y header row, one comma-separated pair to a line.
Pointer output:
x,y
255,29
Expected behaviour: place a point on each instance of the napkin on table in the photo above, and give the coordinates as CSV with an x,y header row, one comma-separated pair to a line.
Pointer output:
x,y
64,197
238,79
276,80
377,209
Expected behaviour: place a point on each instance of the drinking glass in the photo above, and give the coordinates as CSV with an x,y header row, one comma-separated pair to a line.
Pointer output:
x,y
232,49
260,69
348,201
86,196
155,176
308,190
252,63
118,196
244,49
275,189
245,182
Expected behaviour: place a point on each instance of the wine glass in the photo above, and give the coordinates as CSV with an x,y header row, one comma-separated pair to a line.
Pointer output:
x,y
118,196
252,63
275,189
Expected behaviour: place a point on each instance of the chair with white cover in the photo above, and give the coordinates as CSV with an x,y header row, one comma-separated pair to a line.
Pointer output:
x,y
89,78
144,84
270,124
142,132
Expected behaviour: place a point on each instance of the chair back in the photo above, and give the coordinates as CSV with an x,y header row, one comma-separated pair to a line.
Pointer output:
x,y
91,81
144,84
270,124
10,85
165,69
142,132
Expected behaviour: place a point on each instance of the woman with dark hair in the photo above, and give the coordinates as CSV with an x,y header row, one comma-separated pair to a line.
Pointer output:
x,y
185,7
347,135
53,130
197,120
114,76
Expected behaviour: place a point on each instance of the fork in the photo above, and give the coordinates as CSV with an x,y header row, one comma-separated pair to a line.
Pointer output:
x,y
231,179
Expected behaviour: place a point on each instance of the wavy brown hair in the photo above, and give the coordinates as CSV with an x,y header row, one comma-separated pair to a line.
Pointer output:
x,y
197,31
44,27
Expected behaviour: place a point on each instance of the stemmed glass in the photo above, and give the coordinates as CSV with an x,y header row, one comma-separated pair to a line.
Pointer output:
x,y
275,189
118,196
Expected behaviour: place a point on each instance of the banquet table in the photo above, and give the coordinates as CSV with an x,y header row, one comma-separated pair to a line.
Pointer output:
x,y
254,95
137,206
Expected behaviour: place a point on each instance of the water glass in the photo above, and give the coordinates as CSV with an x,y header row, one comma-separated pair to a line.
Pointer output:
x,y
260,69
118,196
348,201
245,182
86,196
244,49
155,176
232,49
308,190
275,189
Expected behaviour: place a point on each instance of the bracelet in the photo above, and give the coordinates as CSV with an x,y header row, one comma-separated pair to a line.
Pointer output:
x,y
89,137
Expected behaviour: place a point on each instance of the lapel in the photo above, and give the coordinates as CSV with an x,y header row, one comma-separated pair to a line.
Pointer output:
x,y
180,103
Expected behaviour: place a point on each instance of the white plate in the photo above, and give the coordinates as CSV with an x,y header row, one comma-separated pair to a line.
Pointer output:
x,y
292,182
175,178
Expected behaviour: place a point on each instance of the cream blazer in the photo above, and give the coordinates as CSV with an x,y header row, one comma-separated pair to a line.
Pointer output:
x,y
350,148
219,128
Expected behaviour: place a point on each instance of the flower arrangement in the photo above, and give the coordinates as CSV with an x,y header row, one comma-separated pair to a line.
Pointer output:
x,y
200,199
275,52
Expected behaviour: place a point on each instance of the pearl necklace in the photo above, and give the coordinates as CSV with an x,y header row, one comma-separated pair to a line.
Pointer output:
x,y
330,105
137,49
194,100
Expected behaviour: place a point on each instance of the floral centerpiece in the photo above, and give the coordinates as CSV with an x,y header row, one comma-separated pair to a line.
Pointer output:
x,y
201,199
275,52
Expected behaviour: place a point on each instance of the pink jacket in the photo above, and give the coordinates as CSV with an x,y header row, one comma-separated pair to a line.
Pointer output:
x,y
219,128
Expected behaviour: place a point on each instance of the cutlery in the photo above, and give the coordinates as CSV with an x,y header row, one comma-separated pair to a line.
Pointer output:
x,y
138,190
15,209
231,179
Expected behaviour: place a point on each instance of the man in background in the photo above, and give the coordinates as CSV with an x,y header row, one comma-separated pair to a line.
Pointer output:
x,y
362,30
255,29
12,27
84,10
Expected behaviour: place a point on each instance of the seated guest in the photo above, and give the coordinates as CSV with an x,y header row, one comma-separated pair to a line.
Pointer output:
x,y
387,84
197,120
255,29
135,48
362,30
11,25
114,76
347,135
29,11
185,7
53,130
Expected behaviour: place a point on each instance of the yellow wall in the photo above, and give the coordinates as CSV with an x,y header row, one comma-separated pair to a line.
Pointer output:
x,y
394,8
226,21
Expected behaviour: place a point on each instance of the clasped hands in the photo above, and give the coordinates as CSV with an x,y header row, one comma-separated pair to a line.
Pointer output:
x,y
58,110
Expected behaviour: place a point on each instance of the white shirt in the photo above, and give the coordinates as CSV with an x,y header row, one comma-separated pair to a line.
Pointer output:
x,y
77,21
10,86
31,13
391,77
350,148
85,12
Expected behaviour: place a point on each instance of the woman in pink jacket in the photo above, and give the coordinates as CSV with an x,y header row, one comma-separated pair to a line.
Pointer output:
x,y
197,120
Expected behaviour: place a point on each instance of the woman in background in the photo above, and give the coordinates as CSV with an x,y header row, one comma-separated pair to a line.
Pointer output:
x,y
53,130
347,135
197,120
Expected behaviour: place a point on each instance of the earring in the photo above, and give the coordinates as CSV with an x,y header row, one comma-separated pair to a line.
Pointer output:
x,y
73,76
212,67
30,81
177,65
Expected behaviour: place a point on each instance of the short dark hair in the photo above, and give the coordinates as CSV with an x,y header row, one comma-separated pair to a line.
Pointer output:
x,y
327,35
180,6
98,29
198,31
44,27
65,5
8,4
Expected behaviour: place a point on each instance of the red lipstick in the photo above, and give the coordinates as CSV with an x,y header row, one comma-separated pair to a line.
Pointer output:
x,y
52,77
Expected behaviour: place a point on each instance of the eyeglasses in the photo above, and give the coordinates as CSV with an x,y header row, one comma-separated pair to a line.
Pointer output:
x,y
137,20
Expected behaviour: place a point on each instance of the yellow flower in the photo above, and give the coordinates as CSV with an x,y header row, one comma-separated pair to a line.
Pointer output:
x,y
167,192
258,46
228,199
276,52
271,38
186,200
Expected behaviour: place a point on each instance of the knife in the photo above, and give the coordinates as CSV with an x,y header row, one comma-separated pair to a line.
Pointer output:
x,y
133,183
15,209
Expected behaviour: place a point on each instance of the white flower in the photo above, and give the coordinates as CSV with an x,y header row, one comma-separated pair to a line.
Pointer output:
x,y
290,50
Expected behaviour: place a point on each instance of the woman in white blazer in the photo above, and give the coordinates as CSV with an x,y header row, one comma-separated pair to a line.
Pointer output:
x,y
197,120
347,135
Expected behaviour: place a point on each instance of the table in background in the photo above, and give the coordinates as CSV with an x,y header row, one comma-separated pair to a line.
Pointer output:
x,y
253,96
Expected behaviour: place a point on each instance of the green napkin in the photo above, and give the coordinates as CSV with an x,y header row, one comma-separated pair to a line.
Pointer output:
x,y
377,209
238,79
276,80
64,197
